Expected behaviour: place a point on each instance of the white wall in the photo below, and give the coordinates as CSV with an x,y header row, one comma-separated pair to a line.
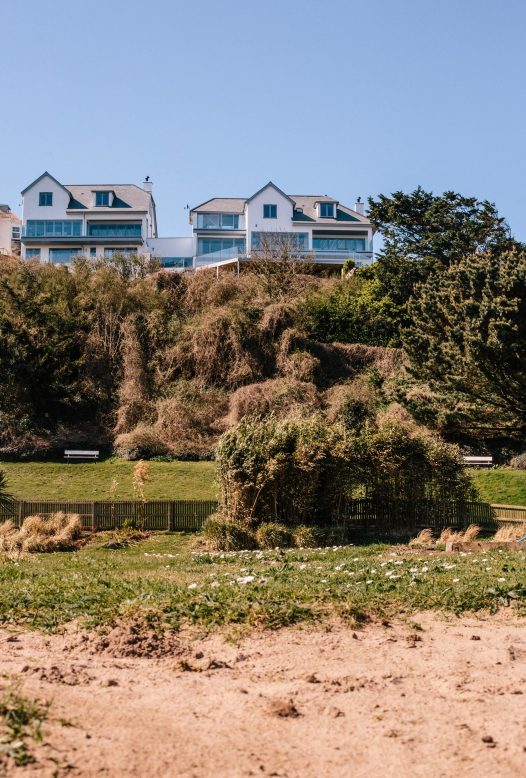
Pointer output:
x,y
172,247
283,222
31,208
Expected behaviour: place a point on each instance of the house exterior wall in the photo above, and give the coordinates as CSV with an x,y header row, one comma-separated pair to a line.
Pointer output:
x,y
83,244
9,244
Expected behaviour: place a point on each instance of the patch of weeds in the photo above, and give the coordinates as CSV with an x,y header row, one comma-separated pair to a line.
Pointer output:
x,y
20,721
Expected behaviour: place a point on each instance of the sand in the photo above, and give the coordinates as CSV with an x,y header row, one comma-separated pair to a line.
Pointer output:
x,y
387,700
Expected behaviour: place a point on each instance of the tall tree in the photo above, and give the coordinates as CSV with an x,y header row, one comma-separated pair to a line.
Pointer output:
x,y
441,229
468,341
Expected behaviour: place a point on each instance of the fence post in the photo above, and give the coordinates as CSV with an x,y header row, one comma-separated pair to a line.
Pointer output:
x,y
171,516
93,517
20,512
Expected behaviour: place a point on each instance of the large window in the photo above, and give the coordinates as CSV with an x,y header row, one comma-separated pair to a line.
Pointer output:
x,y
102,199
338,244
127,251
45,198
177,262
222,248
63,256
110,230
299,241
38,228
32,253
327,210
270,211
217,221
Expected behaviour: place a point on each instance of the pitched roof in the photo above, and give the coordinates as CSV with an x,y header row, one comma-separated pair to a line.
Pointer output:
x,y
304,207
307,203
273,185
126,196
44,174
222,205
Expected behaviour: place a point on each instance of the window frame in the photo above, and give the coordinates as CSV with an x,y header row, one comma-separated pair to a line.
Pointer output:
x,y
270,210
106,195
45,196
324,206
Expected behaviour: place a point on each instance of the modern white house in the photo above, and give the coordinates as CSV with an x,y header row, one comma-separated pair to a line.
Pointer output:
x,y
10,231
61,221
317,226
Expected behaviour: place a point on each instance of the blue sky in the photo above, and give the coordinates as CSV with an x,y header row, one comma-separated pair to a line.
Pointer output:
x,y
216,97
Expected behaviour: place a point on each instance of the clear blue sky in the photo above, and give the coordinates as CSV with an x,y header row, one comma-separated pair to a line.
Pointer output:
x,y
216,97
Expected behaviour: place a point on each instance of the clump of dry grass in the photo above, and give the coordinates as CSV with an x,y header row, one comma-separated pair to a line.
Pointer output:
x,y
448,534
471,534
58,532
510,532
424,538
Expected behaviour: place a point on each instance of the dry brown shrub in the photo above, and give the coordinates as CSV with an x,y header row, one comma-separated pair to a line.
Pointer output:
x,y
219,349
133,391
424,539
510,532
188,423
293,360
471,533
58,532
446,535
204,290
275,319
283,397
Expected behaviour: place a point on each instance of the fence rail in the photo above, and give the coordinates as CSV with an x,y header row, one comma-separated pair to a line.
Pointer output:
x,y
173,515
365,515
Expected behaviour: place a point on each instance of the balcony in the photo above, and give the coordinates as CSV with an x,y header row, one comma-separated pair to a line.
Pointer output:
x,y
339,257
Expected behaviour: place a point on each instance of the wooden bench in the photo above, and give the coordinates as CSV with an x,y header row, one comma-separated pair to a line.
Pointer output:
x,y
70,454
478,461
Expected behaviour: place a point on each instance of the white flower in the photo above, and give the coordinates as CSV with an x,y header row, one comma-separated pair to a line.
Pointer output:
x,y
501,580
215,584
302,567
192,586
368,582
456,580
244,579
399,562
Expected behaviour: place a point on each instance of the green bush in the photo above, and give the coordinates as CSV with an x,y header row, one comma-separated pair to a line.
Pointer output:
x,y
308,537
294,472
224,535
273,535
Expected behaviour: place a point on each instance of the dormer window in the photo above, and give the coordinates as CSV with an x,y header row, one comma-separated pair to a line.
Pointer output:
x,y
270,211
326,210
102,199
45,198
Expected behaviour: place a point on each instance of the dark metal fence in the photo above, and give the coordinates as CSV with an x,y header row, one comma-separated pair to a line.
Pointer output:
x,y
371,517
173,515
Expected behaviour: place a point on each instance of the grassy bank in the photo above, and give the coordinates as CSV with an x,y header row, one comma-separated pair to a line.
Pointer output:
x,y
501,485
92,480
164,580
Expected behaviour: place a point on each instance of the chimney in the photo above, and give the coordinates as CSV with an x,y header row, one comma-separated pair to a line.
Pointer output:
x,y
359,207
147,185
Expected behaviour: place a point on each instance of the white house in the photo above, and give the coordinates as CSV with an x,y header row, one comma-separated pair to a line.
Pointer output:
x,y
10,230
61,221
320,227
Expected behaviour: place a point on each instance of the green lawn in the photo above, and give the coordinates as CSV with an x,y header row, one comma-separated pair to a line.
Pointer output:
x,y
501,485
167,583
92,480
185,481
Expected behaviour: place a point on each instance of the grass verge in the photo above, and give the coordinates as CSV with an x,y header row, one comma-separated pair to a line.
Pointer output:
x,y
164,580
93,480
501,485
